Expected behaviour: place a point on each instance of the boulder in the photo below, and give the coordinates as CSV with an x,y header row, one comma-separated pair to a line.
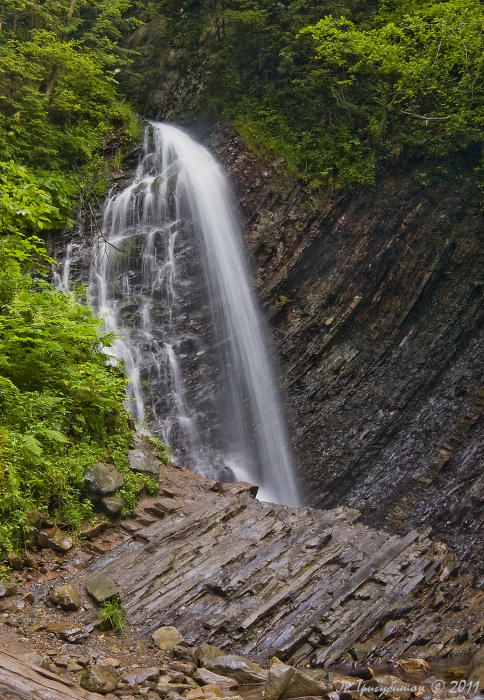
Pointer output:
x,y
477,677
164,689
277,680
475,674
209,651
205,677
166,638
477,660
113,505
99,679
139,675
103,479
101,587
390,687
143,460
238,668
284,682
413,665
54,538
37,660
66,596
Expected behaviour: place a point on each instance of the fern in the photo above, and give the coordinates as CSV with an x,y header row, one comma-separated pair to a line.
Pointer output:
x,y
51,435
31,445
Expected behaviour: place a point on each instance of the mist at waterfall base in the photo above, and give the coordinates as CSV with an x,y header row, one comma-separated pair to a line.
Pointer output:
x,y
172,281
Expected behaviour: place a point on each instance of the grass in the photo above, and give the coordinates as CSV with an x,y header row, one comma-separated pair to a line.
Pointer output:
x,y
112,612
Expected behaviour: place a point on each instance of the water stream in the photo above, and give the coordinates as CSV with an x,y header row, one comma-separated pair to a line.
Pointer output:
x,y
172,280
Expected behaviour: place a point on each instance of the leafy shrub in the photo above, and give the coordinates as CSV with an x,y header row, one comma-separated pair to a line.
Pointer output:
x,y
61,403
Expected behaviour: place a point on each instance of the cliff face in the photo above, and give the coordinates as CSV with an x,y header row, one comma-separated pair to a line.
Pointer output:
x,y
375,299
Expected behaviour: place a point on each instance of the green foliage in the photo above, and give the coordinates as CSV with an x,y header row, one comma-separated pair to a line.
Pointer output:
x,y
61,404
60,108
333,88
164,451
411,81
112,612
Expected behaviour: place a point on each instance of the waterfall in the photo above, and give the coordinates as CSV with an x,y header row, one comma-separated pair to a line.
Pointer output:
x,y
170,278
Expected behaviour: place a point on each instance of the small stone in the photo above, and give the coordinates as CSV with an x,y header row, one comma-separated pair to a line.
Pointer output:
x,y
83,660
91,531
54,538
62,661
393,687
206,677
186,668
30,561
212,690
101,587
177,677
28,598
166,638
11,590
165,689
208,691
194,694
166,493
66,596
244,487
103,479
113,504
114,663
238,668
167,505
412,665
69,631
73,667
141,675
37,660
99,679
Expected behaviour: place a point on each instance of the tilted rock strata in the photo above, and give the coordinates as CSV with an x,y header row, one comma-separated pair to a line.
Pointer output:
x,y
306,585
376,300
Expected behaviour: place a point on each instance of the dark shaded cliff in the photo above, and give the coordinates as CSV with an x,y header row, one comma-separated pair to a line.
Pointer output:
x,y
375,298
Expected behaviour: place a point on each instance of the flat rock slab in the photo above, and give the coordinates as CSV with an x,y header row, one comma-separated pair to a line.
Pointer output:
x,y
309,586
101,587
21,680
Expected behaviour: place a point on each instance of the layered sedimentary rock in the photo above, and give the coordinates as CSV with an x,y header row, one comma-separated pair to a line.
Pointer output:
x,y
376,301
309,586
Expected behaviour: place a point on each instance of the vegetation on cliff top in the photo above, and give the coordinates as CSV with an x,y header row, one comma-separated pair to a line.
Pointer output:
x,y
334,87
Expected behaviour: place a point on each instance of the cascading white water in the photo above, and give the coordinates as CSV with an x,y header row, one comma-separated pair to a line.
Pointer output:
x,y
173,282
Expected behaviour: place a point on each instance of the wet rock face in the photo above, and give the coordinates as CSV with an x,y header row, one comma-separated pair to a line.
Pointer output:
x,y
375,299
